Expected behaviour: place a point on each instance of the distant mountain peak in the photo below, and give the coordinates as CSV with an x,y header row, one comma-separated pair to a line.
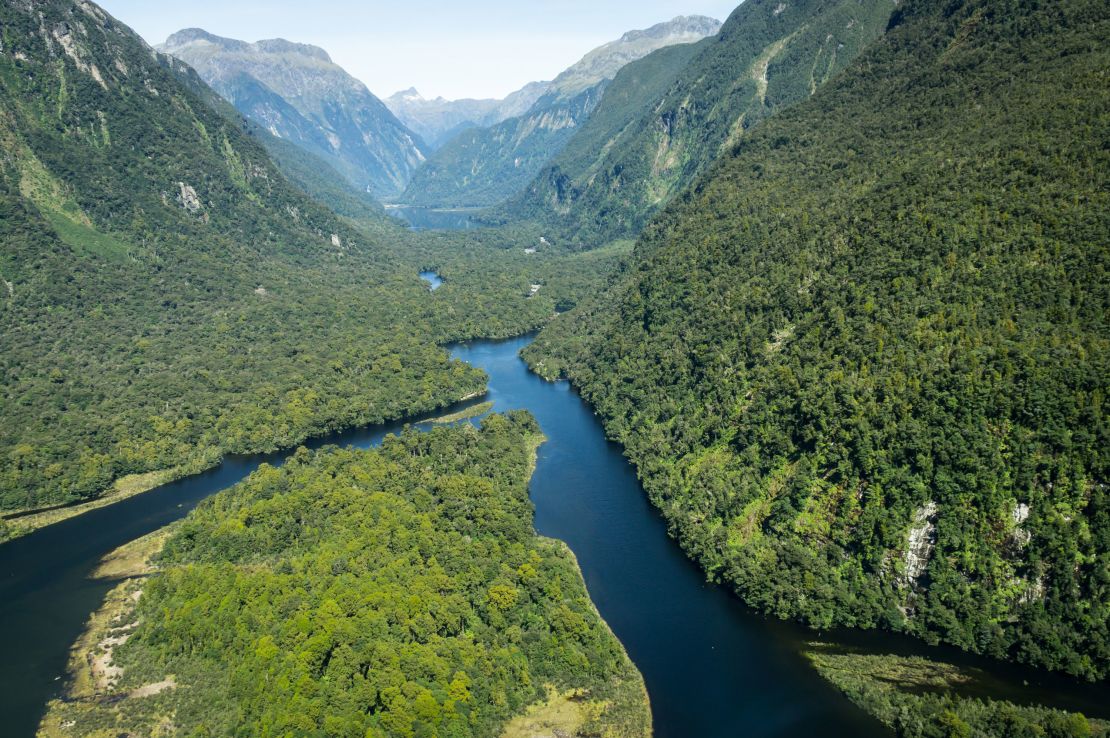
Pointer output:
x,y
699,25
409,95
192,36
297,93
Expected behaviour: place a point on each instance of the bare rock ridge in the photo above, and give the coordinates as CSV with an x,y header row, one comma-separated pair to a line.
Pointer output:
x,y
296,92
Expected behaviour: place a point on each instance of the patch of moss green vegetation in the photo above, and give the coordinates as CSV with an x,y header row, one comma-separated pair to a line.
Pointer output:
x,y
65,216
474,411
920,698
862,365
396,592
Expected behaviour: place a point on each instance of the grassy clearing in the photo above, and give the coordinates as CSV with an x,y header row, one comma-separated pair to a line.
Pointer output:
x,y
561,714
474,411
135,559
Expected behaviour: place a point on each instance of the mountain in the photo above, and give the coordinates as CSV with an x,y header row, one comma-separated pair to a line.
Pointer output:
x,y
860,365
310,173
483,167
297,93
439,120
626,161
166,295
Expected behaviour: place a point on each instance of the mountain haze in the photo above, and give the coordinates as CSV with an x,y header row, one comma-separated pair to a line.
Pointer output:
x,y
437,121
483,167
297,93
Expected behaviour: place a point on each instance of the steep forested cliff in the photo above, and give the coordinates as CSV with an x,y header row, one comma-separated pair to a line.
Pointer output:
x,y
608,181
862,366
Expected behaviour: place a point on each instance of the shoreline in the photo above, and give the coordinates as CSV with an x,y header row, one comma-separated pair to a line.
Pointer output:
x,y
91,677
122,489
26,522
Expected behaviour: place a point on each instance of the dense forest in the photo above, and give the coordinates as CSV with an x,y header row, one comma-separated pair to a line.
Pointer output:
x,y
169,297
862,365
400,592
667,119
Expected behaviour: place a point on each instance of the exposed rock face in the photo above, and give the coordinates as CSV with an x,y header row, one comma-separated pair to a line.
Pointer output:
x,y
922,541
297,93
1020,537
188,198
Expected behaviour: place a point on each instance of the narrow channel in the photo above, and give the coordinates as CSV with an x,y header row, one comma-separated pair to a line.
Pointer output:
x,y
712,667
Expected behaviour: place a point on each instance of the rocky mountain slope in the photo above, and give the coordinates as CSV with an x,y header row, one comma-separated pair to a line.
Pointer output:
x,y
485,166
437,121
611,178
861,364
297,93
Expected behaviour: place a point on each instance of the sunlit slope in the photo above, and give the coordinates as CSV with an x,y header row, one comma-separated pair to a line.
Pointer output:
x,y
168,296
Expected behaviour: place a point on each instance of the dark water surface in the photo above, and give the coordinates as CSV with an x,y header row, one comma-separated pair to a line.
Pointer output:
x,y
712,668
435,219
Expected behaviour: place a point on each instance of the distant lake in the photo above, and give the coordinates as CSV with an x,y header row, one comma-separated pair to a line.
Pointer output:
x,y
435,219
434,280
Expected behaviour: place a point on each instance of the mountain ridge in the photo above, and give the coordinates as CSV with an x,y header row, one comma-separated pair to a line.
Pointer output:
x,y
608,180
438,120
298,93
486,166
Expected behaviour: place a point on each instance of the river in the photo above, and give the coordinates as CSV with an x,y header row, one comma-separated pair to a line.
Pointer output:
x,y
712,667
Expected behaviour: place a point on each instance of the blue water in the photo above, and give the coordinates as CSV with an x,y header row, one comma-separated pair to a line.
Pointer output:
x,y
712,667
434,280
435,219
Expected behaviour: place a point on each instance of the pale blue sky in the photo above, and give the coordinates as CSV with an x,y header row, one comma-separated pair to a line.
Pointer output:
x,y
475,48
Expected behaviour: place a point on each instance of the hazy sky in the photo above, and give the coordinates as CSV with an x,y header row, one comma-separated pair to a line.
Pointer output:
x,y
454,48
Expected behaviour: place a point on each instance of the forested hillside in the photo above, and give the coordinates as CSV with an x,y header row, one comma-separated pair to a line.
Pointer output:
x,y
610,179
167,296
484,166
862,366
400,592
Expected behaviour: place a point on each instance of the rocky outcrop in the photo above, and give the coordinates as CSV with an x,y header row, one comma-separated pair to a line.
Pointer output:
x,y
187,197
921,543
